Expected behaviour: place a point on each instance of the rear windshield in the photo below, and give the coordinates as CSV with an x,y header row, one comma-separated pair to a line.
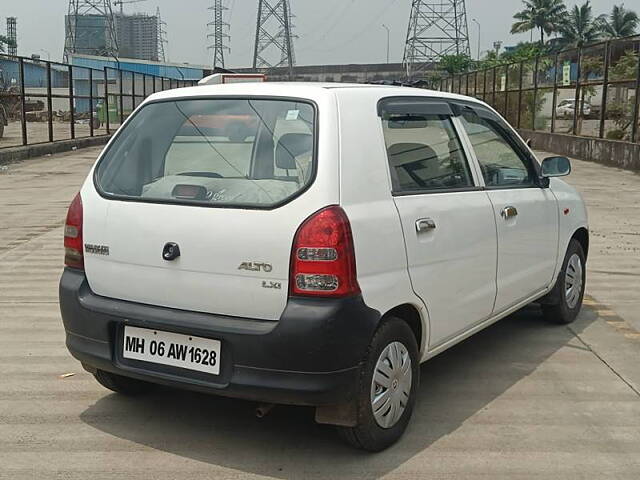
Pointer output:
x,y
225,152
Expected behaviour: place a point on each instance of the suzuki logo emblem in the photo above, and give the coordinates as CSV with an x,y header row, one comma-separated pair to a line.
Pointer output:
x,y
171,251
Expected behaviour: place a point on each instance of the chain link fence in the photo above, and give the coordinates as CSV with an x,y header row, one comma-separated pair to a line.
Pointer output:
x,y
589,92
43,101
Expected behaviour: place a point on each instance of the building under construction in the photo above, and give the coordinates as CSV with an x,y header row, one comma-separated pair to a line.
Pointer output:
x,y
137,36
134,36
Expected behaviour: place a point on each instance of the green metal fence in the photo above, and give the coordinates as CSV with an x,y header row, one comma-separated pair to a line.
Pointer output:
x,y
42,101
590,91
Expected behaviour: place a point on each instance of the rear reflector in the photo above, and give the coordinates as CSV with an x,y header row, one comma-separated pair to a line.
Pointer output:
x,y
323,258
73,253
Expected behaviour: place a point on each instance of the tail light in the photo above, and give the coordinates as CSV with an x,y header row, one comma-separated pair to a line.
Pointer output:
x,y
323,262
73,254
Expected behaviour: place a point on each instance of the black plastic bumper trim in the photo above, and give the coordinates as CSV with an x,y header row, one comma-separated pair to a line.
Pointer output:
x,y
310,356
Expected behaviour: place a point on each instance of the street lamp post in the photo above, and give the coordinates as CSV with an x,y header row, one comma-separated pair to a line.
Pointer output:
x,y
388,39
479,35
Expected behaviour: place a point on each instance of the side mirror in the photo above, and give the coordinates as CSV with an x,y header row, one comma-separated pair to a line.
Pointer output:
x,y
556,167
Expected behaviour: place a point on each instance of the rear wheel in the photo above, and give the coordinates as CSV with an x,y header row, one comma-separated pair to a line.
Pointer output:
x,y
568,292
388,386
123,385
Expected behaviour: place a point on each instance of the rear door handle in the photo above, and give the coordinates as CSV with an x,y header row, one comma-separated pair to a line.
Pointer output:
x,y
425,224
509,212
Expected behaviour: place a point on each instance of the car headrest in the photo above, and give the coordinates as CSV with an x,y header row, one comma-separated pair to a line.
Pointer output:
x,y
290,146
402,153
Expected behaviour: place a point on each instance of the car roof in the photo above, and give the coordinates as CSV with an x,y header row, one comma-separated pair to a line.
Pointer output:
x,y
309,90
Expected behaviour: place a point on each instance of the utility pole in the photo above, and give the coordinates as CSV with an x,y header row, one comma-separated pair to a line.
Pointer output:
x,y
436,28
219,35
90,29
274,36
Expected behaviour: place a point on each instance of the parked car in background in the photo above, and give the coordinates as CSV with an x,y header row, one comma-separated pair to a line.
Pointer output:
x,y
566,109
359,231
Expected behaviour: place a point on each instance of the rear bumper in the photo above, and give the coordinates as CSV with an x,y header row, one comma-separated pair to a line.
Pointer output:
x,y
310,356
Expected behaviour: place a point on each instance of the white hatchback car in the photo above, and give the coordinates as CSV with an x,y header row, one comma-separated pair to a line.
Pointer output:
x,y
356,232
567,109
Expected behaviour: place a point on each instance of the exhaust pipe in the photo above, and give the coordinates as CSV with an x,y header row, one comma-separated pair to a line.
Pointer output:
x,y
264,409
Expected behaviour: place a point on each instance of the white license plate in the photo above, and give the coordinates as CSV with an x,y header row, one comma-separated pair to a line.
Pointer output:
x,y
177,350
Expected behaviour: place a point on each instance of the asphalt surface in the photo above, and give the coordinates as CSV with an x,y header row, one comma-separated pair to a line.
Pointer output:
x,y
522,399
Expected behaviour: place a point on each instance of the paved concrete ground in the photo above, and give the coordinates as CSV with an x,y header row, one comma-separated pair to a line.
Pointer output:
x,y
523,399
38,132
612,196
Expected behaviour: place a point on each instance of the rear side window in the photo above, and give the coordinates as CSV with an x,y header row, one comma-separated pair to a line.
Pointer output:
x,y
215,152
424,153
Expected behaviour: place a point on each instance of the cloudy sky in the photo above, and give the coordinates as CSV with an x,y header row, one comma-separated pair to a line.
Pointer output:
x,y
329,31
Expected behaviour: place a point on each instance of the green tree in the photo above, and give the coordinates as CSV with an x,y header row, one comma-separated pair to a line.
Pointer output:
x,y
544,16
5,41
625,68
620,23
454,64
524,51
580,27
620,102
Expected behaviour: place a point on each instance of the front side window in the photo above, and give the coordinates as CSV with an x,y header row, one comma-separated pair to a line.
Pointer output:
x,y
224,152
424,153
501,164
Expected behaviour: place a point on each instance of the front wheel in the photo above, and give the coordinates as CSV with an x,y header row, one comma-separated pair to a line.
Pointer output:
x,y
388,387
568,292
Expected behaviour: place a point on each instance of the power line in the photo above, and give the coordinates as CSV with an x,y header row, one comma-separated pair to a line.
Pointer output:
x,y
436,28
162,37
365,29
219,35
274,36
90,29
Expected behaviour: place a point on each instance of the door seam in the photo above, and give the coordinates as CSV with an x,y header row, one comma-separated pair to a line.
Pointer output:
x,y
495,224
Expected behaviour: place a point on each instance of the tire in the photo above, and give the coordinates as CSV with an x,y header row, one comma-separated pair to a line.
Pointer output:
x,y
123,385
564,306
368,434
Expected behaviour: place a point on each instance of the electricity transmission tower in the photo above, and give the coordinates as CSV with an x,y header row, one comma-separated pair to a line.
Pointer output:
x,y
90,29
436,28
274,36
12,35
162,37
219,35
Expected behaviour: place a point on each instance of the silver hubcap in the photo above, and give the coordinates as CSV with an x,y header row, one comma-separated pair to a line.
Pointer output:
x,y
573,281
391,385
